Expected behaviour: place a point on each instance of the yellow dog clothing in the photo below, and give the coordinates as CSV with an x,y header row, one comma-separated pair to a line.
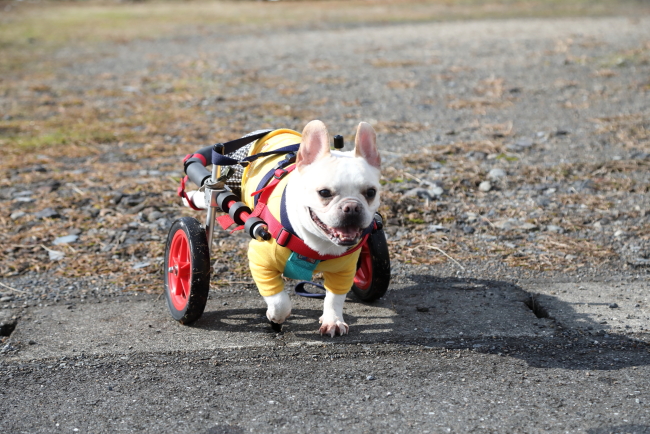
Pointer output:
x,y
268,259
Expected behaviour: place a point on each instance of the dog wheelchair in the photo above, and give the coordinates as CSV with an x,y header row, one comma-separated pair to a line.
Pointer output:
x,y
189,242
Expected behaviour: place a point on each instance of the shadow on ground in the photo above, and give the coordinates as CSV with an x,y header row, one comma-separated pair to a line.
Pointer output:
x,y
453,313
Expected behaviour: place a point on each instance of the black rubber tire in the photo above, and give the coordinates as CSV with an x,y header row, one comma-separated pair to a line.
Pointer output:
x,y
380,264
200,270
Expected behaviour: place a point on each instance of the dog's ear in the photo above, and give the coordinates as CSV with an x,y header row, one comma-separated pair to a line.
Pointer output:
x,y
365,145
315,144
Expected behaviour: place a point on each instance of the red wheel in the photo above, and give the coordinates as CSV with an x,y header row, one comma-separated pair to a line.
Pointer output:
x,y
373,269
187,270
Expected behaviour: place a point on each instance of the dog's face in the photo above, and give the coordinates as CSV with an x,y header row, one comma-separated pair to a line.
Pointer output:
x,y
339,191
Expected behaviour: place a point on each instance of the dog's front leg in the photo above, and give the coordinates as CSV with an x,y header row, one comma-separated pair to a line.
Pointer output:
x,y
278,307
332,319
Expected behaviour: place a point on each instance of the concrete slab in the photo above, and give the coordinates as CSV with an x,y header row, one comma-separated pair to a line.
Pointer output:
x,y
448,309
616,307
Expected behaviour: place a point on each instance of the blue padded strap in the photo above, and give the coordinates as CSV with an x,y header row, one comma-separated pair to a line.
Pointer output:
x,y
267,178
300,289
285,150
234,145
284,217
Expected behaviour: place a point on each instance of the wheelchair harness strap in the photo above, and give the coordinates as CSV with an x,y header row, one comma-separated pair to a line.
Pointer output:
x,y
281,231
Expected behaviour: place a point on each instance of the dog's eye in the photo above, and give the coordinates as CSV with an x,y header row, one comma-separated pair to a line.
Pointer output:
x,y
370,193
325,193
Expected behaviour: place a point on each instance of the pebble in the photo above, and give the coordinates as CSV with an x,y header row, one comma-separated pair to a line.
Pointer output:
x,y
55,255
139,265
485,186
370,378
17,214
468,229
47,213
521,144
67,239
154,215
496,173
554,229
527,227
24,193
613,305
543,201
425,193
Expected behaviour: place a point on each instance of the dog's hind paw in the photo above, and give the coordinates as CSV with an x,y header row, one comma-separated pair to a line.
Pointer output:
x,y
333,328
275,326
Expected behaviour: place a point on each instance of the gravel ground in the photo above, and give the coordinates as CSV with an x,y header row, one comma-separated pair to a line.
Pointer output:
x,y
523,153
518,148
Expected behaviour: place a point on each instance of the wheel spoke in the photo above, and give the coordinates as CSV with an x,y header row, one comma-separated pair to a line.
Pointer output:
x,y
184,276
181,291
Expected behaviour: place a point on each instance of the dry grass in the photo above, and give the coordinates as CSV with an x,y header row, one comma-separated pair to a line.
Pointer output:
x,y
29,29
152,120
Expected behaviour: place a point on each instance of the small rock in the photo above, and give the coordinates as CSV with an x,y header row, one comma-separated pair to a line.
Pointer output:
x,y
24,193
154,215
132,200
496,173
543,201
521,144
485,186
504,224
117,197
422,193
47,213
163,223
17,214
570,257
554,229
53,185
613,305
436,228
67,239
436,191
527,227
55,255
139,265
370,378
619,233
468,229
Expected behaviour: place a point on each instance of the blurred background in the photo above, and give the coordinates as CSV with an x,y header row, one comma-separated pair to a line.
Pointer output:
x,y
100,101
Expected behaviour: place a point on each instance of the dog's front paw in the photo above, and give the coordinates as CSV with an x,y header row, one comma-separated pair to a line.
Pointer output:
x,y
278,307
333,327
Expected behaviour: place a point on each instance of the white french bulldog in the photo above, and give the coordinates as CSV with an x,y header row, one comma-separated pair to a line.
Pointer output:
x,y
331,197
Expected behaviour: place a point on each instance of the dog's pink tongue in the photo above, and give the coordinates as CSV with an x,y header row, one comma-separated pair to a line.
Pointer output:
x,y
346,233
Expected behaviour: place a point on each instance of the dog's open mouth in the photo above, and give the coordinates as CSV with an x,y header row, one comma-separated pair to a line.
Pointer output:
x,y
345,236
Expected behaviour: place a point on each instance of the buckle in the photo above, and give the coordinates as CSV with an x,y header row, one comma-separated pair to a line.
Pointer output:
x,y
279,173
283,237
